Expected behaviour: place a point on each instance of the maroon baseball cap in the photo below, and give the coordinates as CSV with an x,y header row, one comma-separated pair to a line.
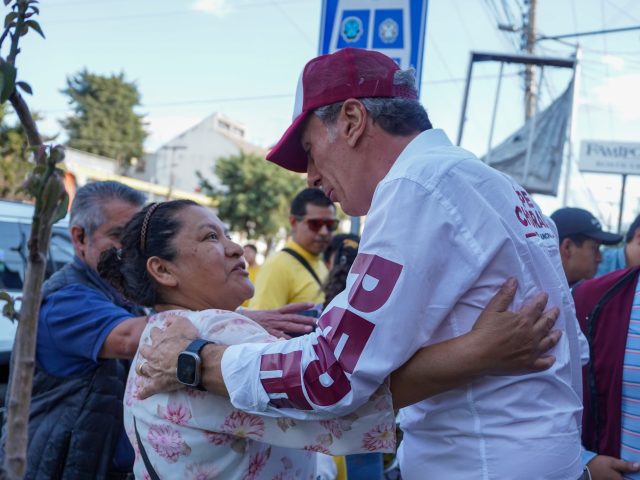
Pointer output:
x,y
328,79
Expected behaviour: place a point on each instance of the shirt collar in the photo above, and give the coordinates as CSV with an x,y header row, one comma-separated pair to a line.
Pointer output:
x,y
97,280
427,140
423,142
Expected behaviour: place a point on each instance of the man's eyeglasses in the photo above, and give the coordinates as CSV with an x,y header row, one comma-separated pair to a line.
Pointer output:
x,y
316,224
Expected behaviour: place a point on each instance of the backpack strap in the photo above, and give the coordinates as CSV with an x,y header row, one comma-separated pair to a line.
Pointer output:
x,y
304,263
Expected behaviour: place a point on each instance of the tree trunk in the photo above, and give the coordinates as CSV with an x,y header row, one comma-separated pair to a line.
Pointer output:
x,y
23,361
45,184
269,242
49,198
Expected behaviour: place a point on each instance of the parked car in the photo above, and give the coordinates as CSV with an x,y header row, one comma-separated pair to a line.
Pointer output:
x,y
15,228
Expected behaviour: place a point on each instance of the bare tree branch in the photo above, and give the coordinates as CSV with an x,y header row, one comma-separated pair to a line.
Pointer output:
x,y
26,119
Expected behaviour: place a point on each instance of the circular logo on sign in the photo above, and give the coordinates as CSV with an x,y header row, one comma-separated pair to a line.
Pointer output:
x,y
351,29
388,30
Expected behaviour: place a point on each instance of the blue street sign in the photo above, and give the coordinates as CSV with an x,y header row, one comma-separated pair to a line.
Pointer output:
x,y
396,28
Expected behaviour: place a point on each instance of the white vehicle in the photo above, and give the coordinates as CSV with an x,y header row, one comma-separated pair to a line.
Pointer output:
x,y
15,228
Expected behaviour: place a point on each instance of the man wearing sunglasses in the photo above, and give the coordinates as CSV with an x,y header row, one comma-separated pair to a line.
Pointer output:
x,y
296,273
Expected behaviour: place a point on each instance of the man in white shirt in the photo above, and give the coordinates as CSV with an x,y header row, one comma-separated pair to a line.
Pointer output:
x,y
443,232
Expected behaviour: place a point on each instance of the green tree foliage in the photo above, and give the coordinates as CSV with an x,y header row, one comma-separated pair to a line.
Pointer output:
x,y
104,120
14,165
256,194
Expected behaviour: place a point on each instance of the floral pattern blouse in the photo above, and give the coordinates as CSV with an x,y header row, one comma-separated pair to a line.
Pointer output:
x,y
191,434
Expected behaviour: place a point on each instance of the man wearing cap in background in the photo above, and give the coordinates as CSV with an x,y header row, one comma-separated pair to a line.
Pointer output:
x,y
625,256
443,232
580,236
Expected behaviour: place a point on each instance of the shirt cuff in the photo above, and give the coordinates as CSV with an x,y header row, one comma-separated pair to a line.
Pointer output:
x,y
587,456
241,374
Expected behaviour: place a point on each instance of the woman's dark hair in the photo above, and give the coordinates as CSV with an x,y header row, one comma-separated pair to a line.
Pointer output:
x,y
336,243
149,233
344,250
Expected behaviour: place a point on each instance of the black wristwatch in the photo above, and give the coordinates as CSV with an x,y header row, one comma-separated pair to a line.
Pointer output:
x,y
189,370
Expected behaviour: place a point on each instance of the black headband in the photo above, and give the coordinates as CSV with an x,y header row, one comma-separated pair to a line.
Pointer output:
x,y
145,225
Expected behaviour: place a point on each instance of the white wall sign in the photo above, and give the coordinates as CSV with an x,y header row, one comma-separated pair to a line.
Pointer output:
x,y
609,157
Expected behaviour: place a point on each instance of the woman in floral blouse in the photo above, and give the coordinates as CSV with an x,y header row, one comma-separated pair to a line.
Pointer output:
x,y
177,258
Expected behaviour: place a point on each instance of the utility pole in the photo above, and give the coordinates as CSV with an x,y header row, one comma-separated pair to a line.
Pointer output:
x,y
528,45
172,165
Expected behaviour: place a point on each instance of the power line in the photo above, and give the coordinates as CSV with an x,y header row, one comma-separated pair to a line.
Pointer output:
x,y
84,2
442,58
593,32
613,52
295,25
178,103
245,4
465,29
604,44
574,15
630,62
121,17
147,16
507,37
624,11
475,77
196,101
507,12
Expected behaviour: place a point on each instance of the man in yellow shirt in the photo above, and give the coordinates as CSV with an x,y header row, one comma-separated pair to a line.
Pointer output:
x,y
296,273
250,252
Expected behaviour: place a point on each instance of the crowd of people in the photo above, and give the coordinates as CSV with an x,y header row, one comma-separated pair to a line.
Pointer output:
x,y
503,349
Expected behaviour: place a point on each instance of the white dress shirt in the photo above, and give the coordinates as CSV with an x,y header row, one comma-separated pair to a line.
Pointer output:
x,y
443,233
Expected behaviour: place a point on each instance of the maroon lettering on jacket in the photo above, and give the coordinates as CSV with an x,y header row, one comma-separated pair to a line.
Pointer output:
x,y
344,336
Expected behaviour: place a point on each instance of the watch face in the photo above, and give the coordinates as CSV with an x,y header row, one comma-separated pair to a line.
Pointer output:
x,y
187,371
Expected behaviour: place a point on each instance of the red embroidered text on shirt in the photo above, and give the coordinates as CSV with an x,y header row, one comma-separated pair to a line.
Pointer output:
x,y
345,335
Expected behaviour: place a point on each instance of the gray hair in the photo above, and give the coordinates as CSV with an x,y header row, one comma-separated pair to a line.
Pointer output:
x,y
86,210
395,115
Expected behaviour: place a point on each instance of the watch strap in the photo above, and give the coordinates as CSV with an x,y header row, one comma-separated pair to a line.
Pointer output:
x,y
197,345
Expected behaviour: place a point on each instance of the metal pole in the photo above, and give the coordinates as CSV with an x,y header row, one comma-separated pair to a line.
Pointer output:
x,y
493,117
463,114
624,186
529,40
572,123
532,133
355,225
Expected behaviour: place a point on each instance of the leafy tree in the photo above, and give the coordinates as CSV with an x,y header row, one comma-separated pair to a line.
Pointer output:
x,y
14,165
46,186
256,195
104,120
